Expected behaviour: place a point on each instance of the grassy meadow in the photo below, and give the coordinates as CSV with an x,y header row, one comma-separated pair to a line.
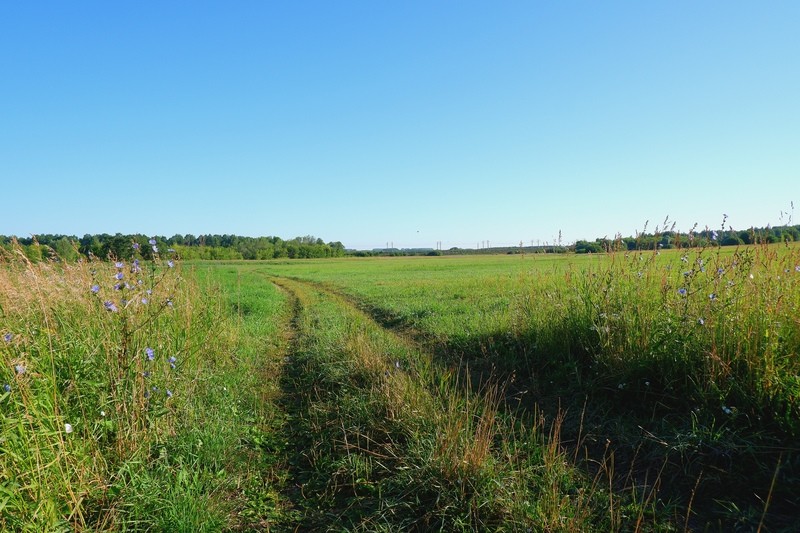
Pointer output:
x,y
639,391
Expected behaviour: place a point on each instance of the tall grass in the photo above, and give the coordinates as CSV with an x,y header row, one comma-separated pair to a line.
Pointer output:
x,y
703,328
99,361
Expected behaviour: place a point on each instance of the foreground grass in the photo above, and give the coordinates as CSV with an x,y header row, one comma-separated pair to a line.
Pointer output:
x,y
629,392
131,400
677,370
386,440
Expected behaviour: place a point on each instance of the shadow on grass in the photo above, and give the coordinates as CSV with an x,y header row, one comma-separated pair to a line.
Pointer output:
x,y
709,466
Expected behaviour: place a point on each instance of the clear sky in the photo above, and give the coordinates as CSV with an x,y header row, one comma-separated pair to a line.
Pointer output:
x,y
406,122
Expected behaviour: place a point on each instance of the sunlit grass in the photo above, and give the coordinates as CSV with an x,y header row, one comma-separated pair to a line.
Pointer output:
x,y
126,399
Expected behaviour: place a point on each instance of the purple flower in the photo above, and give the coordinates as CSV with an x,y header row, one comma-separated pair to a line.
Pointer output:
x,y
149,291
152,242
136,246
712,296
7,387
144,301
172,361
169,302
119,264
797,268
20,369
95,289
170,263
151,354
110,306
682,291
155,249
7,337
119,275
169,393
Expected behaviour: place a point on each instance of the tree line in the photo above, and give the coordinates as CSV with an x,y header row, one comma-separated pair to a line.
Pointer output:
x,y
214,247
231,247
707,237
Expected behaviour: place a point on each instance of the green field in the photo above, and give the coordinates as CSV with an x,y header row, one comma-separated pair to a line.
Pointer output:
x,y
629,392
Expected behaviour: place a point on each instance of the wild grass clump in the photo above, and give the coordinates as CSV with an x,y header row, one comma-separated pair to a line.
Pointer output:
x,y
98,361
702,327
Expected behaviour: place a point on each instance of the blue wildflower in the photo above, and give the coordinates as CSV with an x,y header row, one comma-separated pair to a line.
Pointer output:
x,y
7,337
144,301
119,275
172,361
152,242
151,354
20,369
682,291
169,302
95,289
169,393
797,268
7,387
155,249
118,286
110,306
170,263
119,264
712,296
136,246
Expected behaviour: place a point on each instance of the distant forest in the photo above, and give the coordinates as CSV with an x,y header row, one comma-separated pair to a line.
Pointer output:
x,y
220,247
217,247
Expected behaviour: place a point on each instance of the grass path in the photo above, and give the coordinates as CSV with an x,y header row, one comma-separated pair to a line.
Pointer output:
x,y
383,439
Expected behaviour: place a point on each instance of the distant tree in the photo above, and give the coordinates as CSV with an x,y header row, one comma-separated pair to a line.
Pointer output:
x,y
585,247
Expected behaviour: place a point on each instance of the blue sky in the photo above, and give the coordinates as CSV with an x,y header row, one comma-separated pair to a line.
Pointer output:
x,y
403,122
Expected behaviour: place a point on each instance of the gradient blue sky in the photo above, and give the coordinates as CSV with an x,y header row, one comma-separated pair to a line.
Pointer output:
x,y
411,122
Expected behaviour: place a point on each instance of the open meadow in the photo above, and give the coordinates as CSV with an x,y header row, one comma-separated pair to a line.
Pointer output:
x,y
638,391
